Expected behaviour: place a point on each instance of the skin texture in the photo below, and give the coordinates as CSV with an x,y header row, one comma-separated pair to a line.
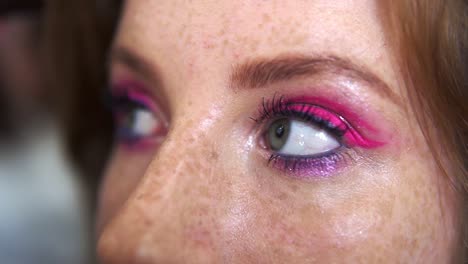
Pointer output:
x,y
204,192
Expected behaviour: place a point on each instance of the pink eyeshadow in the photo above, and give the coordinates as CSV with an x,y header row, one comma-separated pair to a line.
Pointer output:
x,y
309,168
136,92
335,107
322,113
352,136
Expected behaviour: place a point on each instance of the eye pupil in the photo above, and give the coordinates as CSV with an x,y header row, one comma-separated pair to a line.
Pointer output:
x,y
280,131
278,134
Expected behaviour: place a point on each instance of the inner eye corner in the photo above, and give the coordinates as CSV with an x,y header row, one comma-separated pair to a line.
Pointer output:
x,y
262,140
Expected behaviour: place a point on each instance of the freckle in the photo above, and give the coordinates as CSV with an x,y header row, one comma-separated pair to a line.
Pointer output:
x,y
379,228
147,222
253,194
222,32
204,191
299,39
306,210
188,123
266,18
141,196
282,196
188,40
417,194
171,12
253,46
293,187
202,136
214,155
237,39
191,169
225,45
208,44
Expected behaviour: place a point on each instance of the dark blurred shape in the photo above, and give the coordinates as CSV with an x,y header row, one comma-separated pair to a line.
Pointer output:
x,y
15,6
43,209
79,34
5,117
22,86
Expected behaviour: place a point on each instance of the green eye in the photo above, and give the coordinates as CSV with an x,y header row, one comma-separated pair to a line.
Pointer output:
x,y
278,134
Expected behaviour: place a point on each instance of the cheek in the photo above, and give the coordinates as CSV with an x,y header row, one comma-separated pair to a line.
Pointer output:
x,y
292,222
371,216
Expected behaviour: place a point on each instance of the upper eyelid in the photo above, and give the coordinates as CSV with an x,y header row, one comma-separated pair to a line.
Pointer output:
x,y
281,105
135,91
122,74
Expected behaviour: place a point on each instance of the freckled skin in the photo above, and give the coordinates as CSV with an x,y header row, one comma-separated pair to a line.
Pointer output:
x,y
204,196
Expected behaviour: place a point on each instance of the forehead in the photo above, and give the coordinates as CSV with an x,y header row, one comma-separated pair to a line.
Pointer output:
x,y
191,35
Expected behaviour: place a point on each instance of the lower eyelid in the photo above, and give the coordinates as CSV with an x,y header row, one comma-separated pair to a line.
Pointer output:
x,y
310,167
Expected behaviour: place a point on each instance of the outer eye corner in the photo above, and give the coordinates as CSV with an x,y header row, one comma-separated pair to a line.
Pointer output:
x,y
262,140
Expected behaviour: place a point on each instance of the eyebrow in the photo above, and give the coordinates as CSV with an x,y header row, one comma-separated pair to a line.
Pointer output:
x,y
262,72
133,61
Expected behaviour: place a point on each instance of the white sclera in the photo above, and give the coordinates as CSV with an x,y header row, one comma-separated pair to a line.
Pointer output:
x,y
305,140
144,122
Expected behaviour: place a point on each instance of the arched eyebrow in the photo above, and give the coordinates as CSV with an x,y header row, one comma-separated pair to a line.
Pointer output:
x,y
262,72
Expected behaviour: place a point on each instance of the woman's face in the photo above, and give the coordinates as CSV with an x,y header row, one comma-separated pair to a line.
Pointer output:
x,y
266,132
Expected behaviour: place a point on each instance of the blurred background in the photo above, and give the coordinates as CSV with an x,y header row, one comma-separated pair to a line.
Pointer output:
x,y
52,71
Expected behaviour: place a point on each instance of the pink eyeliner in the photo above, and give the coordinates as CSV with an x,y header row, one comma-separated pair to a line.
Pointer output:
x,y
351,136
335,114
135,91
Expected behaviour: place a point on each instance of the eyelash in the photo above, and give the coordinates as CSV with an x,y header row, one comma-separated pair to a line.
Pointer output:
x,y
322,164
279,107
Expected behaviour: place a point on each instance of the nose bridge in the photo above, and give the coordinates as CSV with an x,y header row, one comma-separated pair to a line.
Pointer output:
x,y
170,213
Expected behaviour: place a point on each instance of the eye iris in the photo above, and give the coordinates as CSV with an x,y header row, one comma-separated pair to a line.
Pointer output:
x,y
278,133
